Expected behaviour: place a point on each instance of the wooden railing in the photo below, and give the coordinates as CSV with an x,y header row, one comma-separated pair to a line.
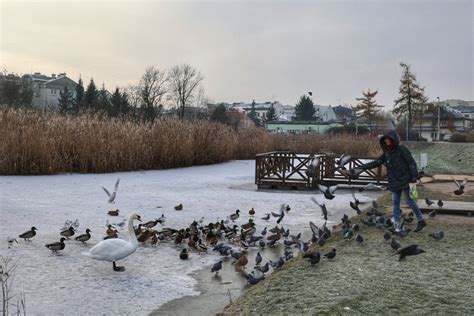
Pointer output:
x,y
281,169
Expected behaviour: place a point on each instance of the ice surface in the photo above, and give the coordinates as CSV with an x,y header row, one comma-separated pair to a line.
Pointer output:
x,y
71,283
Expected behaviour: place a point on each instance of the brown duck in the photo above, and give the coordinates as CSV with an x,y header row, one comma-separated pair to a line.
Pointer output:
x,y
179,207
114,213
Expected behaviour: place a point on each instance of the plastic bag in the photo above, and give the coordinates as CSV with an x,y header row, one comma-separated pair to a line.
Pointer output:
x,y
413,191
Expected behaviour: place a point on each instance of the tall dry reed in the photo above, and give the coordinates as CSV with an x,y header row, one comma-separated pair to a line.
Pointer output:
x,y
33,143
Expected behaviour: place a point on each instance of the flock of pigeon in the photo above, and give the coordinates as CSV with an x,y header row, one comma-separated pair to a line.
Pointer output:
x,y
232,241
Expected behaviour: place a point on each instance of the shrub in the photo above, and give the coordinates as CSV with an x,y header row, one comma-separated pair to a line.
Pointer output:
x,y
458,138
470,137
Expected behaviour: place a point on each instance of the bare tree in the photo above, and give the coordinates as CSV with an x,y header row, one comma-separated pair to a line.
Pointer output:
x,y
184,85
152,87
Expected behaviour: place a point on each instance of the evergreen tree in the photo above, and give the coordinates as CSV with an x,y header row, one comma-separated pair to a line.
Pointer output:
x,y
305,110
271,114
219,114
116,103
125,106
66,100
91,95
79,100
368,107
103,102
411,96
253,115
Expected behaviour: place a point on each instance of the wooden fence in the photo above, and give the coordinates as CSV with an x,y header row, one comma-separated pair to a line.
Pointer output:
x,y
281,169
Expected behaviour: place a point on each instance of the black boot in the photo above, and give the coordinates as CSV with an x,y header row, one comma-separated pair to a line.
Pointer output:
x,y
420,225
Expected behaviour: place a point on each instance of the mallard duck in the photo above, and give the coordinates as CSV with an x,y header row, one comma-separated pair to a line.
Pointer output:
x,y
56,246
29,234
200,247
150,224
84,237
145,235
111,232
114,213
154,240
234,216
252,212
274,237
115,249
248,225
179,207
241,262
183,255
68,232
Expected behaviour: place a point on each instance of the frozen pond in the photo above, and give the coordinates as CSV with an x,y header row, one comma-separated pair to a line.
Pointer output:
x,y
71,283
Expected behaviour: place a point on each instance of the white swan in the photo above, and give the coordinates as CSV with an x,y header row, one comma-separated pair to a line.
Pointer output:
x,y
115,249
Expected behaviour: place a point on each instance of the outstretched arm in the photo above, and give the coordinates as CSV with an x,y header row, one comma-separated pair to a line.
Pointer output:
x,y
374,164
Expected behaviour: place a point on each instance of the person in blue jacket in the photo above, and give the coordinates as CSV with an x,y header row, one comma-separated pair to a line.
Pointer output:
x,y
401,170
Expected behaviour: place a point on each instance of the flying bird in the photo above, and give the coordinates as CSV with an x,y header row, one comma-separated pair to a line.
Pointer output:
x,y
323,208
411,250
313,166
395,244
371,186
112,195
460,185
328,191
344,159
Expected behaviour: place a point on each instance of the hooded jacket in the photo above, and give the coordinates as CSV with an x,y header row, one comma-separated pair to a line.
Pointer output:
x,y
401,167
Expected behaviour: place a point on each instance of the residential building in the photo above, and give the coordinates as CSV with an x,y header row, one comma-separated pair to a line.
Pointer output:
x,y
46,89
300,127
261,109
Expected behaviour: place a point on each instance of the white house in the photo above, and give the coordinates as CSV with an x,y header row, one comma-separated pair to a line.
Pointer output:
x,y
261,109
46,90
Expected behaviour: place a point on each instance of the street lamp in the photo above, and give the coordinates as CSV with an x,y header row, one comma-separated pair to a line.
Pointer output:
x,y
439,135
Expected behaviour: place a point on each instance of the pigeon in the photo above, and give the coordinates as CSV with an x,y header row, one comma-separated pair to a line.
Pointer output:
x,y
344,159
264,268
440,203
323,208
288,255
387,236
328,191
258,259
348,234
437,235
264,231
411,250
371,186
313,257
266,217
112,195
313,165
216,267
351,173
282,214
251,279
432,214
29,234
56,246
331,254
355,205
395,244
359,239
460,185
428,201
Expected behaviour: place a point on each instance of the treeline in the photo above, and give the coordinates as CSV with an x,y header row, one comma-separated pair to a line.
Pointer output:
x,y
44,142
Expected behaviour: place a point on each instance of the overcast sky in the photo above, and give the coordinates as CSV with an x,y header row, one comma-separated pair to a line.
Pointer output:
x,y
262,50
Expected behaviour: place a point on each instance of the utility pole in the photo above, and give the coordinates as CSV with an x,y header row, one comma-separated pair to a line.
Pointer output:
x,y
439,106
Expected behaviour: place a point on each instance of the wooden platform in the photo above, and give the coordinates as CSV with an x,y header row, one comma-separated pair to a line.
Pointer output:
x,y
449,207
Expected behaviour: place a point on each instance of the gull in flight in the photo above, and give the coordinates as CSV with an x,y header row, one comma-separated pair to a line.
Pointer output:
x,y
114,193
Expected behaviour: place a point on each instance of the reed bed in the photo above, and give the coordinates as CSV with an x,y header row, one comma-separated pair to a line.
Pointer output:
x,y
37,142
